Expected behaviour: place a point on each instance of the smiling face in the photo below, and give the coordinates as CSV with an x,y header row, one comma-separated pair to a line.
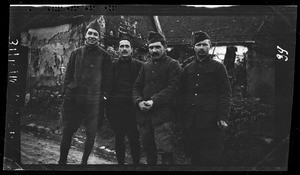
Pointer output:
x,y
202,48
92,36
156,50
125,48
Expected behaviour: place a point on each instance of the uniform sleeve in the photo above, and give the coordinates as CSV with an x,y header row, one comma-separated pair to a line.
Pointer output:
x,y
138,86
182,89
224,92
69,76
107,76
183,81
168,93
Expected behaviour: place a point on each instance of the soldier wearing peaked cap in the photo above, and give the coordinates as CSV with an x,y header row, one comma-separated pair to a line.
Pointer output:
x,y
207,97
87,81
153,93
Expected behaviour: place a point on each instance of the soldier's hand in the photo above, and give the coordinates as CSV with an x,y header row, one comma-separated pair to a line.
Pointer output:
x,y
149,104
222,124
143,106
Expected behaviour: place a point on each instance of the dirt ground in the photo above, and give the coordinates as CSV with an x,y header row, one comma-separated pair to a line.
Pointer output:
x,y
40,141
41,145
38,150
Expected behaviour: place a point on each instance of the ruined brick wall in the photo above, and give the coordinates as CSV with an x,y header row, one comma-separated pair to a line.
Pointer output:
x,y
49,51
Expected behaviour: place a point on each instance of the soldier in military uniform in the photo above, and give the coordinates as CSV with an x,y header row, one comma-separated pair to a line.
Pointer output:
x,y
207,98
87,82
120,107
153,93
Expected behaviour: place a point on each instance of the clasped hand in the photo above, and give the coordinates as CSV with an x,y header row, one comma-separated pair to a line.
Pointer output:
x,y
222,124
146,105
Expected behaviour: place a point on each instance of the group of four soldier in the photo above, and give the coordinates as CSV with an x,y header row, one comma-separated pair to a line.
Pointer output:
x,y
141,99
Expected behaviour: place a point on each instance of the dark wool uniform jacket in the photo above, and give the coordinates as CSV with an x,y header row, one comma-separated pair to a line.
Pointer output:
x,y
206,93
125,73
157,80
120,109
88,76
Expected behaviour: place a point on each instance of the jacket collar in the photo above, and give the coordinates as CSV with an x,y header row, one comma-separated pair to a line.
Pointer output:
x,y
207,58
161,59
89,46
125,61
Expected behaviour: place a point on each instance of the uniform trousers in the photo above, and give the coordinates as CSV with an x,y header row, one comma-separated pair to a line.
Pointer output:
x,y
121,117
157,139
74,114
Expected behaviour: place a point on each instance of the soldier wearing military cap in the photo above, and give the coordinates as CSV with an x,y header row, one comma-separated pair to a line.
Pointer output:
x,y
207,98
153,93
120,107
86,84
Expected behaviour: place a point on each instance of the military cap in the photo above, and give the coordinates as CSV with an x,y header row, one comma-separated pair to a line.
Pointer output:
x,y
94,25
126,36
198,36
155,37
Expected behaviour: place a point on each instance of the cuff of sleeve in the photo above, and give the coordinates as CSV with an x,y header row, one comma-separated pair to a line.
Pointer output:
x,y
155,101
223,118
138,101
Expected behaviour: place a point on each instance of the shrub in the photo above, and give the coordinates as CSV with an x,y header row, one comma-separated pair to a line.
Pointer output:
x,y
46,100
250,125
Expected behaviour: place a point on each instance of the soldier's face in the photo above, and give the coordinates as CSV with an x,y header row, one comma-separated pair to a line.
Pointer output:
x,y
125,48
202,48
92,36
156,50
